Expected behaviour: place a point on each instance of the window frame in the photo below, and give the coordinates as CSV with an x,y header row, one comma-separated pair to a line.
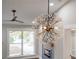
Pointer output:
x,y
20,29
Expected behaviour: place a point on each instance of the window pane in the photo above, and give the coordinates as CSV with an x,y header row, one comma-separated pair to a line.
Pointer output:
x,y
28,43
28,49
14,49
14,36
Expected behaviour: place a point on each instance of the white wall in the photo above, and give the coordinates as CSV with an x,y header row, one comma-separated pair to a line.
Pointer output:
x,y
73,37
4,40
59,48
68,15
69,43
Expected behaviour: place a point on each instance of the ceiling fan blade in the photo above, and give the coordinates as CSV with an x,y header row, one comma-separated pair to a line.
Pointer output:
x,y
7,20
14,18
19,21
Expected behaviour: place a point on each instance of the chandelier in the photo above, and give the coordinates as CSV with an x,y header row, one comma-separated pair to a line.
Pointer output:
x,y
48,27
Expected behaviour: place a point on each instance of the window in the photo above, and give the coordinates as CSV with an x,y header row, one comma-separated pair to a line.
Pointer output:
x,y
21,43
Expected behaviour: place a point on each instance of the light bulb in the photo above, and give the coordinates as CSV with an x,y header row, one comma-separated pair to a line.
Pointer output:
x,y
55,27
44,27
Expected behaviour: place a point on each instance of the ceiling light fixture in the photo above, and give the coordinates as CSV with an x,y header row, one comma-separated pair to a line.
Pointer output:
x,y
51,4
48,27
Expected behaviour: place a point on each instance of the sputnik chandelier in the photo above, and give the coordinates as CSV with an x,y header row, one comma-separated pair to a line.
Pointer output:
x,y
48,27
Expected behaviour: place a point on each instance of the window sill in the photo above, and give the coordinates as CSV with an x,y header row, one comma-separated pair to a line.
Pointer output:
x,y
31,56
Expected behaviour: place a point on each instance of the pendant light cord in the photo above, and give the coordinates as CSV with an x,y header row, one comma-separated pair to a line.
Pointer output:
x,y
48,13
48,7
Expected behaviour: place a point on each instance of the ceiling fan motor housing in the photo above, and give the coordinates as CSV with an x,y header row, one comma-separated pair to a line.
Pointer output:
x,y
13,10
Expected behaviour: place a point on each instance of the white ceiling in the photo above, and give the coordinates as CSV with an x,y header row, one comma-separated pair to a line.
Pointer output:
x,y
27,10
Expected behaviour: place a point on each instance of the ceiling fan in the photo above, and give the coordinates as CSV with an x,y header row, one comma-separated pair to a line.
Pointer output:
x,y
14,19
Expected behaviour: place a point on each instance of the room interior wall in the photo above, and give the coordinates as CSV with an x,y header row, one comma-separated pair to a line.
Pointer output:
x,y
70,43
4,42
68,13
73,37
68,16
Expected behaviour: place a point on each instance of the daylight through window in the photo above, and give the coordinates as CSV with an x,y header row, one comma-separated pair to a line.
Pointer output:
x,y
21,43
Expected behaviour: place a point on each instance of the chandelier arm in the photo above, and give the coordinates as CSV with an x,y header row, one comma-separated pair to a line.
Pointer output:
x,y
47,35
44,36
55,22
45,39
41,32
55,33
52,36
